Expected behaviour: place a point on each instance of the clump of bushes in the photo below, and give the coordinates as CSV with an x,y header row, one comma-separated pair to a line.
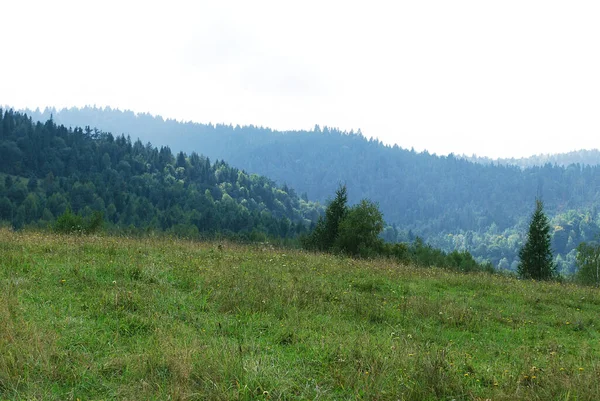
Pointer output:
x,y
352,231
71,223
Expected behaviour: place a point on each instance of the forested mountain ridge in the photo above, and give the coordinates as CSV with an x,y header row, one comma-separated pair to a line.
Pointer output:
x,y
47,168
449,201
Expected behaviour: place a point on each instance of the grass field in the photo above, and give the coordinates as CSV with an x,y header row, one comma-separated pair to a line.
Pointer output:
x,y
116,318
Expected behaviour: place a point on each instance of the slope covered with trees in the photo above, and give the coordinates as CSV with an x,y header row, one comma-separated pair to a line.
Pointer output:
x,y
450,202
46,169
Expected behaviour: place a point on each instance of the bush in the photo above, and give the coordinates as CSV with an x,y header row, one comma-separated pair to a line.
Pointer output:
x,y
588,263
71,223
358,231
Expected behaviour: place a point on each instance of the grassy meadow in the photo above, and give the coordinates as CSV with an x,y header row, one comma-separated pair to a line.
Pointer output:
x,y
101,317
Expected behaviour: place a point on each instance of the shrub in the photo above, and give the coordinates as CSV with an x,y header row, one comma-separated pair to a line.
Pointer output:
x,y
358,231
71,223
588,263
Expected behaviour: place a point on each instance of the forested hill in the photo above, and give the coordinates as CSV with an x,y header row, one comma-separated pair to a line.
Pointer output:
x,y
47,168
424,192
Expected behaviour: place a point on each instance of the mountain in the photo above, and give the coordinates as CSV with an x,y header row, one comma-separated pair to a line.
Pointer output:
x,y
47,169
451,202
583,157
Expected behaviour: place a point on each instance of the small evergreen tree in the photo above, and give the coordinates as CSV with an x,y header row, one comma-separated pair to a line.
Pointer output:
x,y
536,255
335,213
326,231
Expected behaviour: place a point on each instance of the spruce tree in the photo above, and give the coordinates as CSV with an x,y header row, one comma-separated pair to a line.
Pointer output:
x,y
326,231
335,213
536,255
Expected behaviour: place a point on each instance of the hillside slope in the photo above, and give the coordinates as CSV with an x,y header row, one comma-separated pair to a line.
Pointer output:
x,y
118,318
47,169
451,202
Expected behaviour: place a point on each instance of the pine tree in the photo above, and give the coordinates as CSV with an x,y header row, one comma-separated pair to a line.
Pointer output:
x,y
536,255
335,213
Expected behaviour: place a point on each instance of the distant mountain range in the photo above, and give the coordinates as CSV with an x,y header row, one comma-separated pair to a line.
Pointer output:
x,y
582,157
449,200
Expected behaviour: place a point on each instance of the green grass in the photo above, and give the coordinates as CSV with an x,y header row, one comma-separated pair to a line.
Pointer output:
x,y
117,318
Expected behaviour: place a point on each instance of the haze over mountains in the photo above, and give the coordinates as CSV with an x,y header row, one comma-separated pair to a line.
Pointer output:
x,y
584,157
451,202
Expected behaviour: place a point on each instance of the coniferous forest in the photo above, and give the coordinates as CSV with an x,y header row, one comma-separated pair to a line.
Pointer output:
x,y
47,169
450,202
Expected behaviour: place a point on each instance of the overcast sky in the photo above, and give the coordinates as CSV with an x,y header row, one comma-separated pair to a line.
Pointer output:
x,y
495,78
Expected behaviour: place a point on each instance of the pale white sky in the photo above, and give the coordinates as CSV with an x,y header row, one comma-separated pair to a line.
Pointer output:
x,y
496,78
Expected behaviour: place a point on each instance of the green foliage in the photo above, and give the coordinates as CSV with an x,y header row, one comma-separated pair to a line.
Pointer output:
x,y
137,187
94,223
425,255
325,233
398,251
68,223
71,223
536,255
358,233
334,215
353,231
6,208
588,263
